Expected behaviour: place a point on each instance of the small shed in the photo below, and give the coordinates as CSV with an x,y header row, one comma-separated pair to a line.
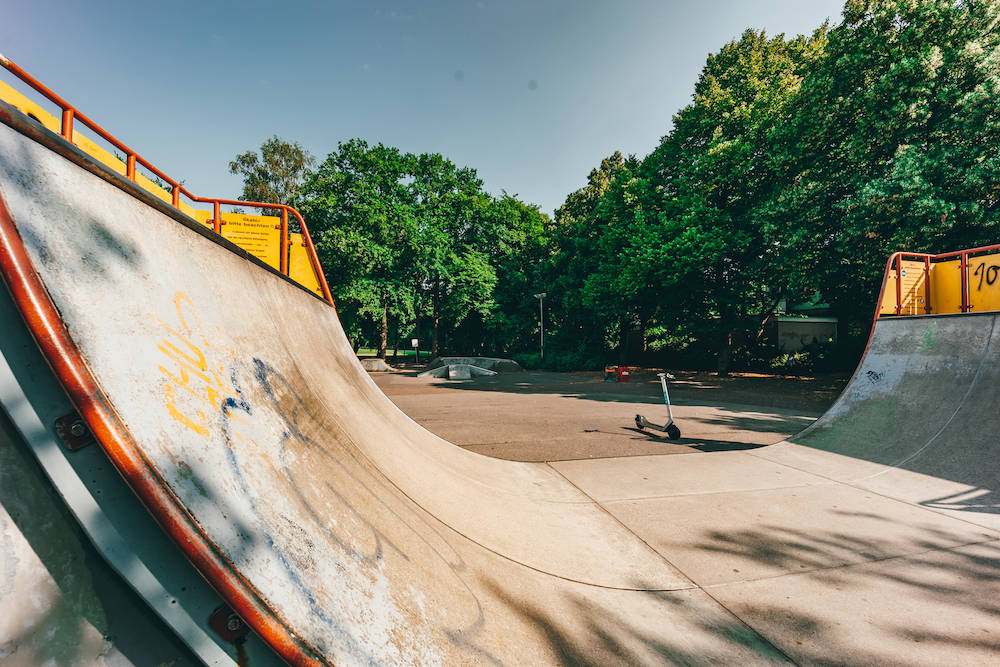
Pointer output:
x,y
794,333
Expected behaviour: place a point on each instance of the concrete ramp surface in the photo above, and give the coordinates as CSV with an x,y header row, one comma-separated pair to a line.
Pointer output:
x,y
923,407
342,532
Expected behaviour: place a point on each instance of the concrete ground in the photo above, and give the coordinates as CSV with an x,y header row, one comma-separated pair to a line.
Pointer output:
x,y
537,416
832,572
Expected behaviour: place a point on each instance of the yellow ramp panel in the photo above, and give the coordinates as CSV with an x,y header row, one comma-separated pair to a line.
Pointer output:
x,y
946,287
984,282
300,267
258,235
32,110
29,108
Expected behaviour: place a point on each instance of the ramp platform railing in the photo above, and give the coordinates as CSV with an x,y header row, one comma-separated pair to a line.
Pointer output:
x,y
70,115
962,281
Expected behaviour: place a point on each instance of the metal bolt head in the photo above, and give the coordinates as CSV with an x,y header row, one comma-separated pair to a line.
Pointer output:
x,y
234,622
78,428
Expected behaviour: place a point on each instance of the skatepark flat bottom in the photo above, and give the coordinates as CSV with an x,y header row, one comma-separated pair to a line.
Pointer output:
x,y
537,416
802,545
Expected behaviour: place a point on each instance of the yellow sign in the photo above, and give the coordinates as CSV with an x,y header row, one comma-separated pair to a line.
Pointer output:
x,y
913,281
259,235
300,267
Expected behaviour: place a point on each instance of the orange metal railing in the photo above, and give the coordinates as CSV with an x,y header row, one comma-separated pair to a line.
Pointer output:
x,y
941,284
70,115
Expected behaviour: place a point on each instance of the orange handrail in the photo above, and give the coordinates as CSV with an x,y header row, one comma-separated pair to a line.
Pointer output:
x,y
285,210
70,114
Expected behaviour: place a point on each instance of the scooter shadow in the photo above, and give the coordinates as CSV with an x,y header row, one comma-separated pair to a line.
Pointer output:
x,y
701,444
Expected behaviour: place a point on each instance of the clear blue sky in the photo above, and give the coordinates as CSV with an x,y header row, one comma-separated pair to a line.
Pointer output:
x,y
532,94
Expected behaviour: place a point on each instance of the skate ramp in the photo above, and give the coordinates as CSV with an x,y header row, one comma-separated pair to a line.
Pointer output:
x,y
921,407
486,363
232,403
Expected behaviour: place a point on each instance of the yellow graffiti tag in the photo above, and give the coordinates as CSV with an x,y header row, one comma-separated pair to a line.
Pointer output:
x,y
191,369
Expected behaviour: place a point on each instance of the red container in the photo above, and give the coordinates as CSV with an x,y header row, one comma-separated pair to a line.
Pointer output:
x,y
622,373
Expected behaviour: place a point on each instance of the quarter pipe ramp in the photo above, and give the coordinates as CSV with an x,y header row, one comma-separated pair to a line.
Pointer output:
x,y
233,406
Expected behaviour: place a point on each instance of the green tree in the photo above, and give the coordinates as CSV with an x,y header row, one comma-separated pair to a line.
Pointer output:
x,y
889,145
705,252
514,240
358,203
451,272
274,176
581,322
614,289
403,235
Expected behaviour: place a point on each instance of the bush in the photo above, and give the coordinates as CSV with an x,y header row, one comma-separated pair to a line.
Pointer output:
x,y
573,361
559,362
529,361
822,357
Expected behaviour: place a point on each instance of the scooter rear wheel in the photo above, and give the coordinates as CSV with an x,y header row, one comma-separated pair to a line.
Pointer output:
x,y
638,422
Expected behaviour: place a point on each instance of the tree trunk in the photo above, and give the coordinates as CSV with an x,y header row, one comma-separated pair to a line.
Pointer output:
x,y
725,318
725,345
622,340
436,319
383,337
418,333
843,330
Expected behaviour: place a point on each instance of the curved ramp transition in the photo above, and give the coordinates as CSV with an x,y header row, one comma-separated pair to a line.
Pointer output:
x,y
232,404
921,408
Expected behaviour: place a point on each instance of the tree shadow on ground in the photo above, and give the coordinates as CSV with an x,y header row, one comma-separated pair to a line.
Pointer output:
x,y
686,628
767,396
834,616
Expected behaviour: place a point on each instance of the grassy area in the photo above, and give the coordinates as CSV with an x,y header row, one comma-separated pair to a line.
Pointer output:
x,y
403,354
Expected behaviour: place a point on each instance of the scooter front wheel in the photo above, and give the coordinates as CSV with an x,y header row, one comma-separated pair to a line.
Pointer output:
x,y
673,432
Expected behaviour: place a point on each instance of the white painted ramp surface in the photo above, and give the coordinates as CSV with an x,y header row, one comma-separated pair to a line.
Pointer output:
x,y
372,541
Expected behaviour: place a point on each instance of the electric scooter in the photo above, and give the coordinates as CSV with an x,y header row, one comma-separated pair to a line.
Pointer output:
x,y
669,428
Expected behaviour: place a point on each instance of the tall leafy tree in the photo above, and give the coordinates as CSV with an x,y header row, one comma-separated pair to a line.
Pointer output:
x,y
581,321
889,145
275,175
359,204
403,235
452,274
709,176
513,236
615,289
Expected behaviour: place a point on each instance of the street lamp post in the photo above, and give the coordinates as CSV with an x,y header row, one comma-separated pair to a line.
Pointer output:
x,y
541,321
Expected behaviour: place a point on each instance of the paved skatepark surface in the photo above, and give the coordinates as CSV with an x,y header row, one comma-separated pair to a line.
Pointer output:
x,y
537,416
344,533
